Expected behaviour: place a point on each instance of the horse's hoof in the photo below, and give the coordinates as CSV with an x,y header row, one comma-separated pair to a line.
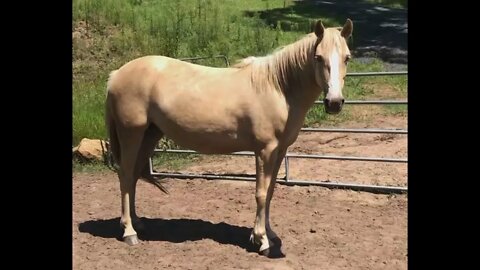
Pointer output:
x,y
272,252
131,240
277,241
265,252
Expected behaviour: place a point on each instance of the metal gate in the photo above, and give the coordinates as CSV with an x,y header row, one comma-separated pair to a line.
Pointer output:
x,y
287,180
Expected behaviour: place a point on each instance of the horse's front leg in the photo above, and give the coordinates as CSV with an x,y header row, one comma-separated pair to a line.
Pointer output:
x,y
278,162
265,163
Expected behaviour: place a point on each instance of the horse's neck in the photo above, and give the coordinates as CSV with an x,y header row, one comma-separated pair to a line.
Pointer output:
x,y
300,102
297,83
301,91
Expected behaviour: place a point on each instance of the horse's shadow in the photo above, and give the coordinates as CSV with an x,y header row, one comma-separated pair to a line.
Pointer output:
x,y
175,231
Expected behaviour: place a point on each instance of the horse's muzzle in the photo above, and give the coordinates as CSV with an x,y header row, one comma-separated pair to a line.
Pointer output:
x,y
333,106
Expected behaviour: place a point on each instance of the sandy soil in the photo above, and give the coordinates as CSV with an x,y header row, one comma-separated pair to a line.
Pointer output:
x,y
206,224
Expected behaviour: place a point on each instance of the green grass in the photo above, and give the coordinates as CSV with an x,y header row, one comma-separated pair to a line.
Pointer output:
x,y
173,162
109,33
396,109
88,111
161,161
112,32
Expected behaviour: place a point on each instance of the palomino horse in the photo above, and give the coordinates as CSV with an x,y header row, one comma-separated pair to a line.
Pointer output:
x,y
258,105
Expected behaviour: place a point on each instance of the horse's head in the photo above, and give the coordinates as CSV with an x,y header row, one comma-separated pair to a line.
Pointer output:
x,y
331,57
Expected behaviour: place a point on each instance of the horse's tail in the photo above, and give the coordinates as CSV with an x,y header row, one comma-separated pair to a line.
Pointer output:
x,y
110,78
113,154
154,180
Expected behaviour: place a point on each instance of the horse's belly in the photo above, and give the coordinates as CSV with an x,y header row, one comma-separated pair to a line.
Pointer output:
x,y
210,142
215,133
222,124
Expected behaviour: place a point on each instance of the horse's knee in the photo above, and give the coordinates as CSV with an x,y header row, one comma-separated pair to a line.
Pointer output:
x,y
261,197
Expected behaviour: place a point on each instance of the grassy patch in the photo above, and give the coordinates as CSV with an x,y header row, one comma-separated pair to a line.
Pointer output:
x,y
161,161
107,34
173,162
399,110
88,111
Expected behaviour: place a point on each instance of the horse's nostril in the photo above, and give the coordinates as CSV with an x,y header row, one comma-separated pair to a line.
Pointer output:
x,y
343,101
326,101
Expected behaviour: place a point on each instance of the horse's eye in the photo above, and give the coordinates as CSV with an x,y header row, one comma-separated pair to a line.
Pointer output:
x,y
347,58
318,58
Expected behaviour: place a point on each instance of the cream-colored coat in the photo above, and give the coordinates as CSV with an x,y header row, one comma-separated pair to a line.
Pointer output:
x,y
258,105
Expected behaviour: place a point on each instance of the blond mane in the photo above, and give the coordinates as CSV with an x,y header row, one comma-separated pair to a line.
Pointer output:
x,y
280,68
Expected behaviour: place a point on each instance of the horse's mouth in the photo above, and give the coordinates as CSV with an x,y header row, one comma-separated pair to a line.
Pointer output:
x,y
333,106
333,109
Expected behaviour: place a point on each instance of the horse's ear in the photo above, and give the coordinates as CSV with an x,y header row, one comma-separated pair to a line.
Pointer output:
x,y
319,28
347,29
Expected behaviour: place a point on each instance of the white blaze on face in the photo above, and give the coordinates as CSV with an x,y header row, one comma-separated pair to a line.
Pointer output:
x,y
334,87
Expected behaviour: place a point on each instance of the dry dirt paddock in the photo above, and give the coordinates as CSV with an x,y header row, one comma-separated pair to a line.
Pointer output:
x,y
206,224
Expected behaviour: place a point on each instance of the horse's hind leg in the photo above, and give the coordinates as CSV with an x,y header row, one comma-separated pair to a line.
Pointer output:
x,y
130,143
150,139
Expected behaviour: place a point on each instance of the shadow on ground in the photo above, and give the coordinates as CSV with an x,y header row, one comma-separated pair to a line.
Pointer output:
x,y
179,230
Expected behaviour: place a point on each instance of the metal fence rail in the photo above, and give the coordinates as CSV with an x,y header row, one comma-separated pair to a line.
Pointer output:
x,y
356,130
292,155
371,102
287,180
380,73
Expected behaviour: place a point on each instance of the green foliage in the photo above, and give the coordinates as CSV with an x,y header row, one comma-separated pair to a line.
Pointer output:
x,y
106,34
109,33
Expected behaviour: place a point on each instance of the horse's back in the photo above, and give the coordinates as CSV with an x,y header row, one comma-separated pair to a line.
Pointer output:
x,y
164,64
165,72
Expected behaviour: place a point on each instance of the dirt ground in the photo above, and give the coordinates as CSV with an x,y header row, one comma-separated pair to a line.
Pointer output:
x,y
206,224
